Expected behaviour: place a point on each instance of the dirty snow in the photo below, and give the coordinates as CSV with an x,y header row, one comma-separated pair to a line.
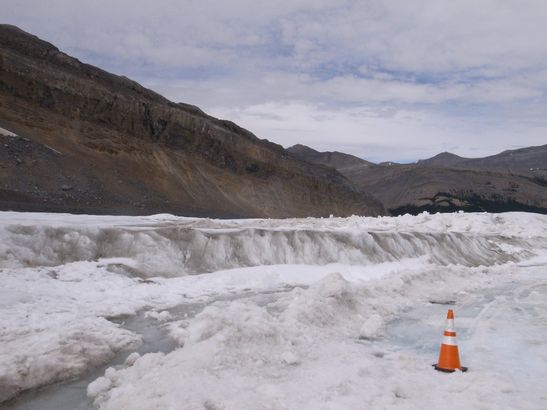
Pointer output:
x,y
297,313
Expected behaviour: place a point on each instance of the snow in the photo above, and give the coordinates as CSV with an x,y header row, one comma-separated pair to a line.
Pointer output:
x,y
7,133
372,328
99,386
162,316
295,313
132,358
308,355
169,246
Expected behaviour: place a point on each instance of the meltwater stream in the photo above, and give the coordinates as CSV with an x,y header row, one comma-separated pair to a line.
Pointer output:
x,y
72,394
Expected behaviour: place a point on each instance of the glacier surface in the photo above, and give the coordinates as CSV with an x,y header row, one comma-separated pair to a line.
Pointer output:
x,y
286,314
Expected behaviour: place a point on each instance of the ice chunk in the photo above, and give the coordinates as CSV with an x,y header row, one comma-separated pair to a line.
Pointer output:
x,y
372,328
162,316
99,386
290,358
132,358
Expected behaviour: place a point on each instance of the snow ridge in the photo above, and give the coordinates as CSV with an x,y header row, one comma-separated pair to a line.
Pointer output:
x,y
178,250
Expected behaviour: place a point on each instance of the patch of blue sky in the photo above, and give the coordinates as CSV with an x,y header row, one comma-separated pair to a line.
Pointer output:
x,y
468,76
369,70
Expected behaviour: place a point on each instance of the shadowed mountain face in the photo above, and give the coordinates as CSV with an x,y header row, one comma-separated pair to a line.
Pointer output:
x,y
90,141
510,181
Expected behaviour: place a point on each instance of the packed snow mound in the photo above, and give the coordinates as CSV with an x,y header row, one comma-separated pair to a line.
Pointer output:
x,y
57,322
53,325
274,337
164,245
74,347
325,304
314,347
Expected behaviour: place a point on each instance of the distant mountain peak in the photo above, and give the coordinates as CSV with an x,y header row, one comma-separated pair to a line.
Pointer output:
x,y
443,159
513,180
333,159
300,148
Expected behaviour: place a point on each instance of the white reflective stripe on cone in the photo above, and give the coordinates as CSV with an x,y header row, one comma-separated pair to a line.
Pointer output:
x,y
449,340
450,325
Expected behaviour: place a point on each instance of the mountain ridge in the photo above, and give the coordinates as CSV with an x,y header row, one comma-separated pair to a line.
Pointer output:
x,y
126,149
447,182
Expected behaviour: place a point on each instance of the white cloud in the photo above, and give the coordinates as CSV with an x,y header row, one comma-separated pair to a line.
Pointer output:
x,y
430,71
374,133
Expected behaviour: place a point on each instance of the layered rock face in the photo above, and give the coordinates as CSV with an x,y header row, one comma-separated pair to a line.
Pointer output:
x,y
90,141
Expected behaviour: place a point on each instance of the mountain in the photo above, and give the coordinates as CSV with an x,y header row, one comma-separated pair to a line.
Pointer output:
x,y
529,161
444,159
90,141
510,181
332,159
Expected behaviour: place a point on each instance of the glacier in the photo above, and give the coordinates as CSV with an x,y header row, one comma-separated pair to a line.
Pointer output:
x,y
169,246
258,313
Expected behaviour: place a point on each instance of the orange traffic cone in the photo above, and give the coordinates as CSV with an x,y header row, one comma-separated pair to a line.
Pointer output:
x,y
449,357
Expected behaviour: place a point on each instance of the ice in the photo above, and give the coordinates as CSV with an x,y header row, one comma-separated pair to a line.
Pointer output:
x,y
132,358
372,328
169,246
291,313
162,316
307,354
99,386
290,358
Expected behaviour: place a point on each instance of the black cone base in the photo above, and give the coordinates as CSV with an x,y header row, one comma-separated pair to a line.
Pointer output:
x,y
462,369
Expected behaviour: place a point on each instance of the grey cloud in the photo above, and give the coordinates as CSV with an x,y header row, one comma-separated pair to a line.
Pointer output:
x,y
370,70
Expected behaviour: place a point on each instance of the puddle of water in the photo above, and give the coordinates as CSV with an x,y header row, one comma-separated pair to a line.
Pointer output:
x,y
413,332
421,329
499,329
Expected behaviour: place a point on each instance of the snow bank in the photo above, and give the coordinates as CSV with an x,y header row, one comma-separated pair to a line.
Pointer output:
x,y
67,347
305,350
65,279
170,246
51,326
57,322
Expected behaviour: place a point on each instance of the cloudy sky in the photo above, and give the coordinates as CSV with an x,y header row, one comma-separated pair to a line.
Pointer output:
x,y
383,80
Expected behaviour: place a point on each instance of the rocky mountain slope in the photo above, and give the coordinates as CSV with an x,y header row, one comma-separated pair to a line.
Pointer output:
x,y
90,141
510,181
